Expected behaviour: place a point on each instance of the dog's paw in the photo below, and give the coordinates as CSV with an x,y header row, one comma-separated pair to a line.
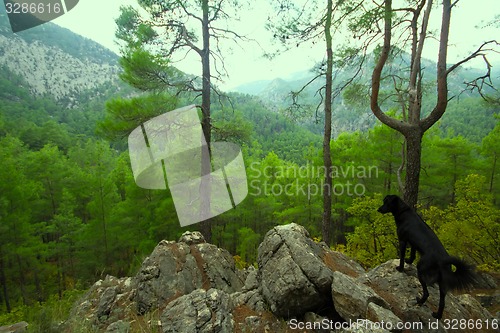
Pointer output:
x,y
400,269
409,261
437,315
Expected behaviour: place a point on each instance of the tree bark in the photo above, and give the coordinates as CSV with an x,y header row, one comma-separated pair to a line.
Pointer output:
x,y
3,282
205,226
413,161
328,185
414,127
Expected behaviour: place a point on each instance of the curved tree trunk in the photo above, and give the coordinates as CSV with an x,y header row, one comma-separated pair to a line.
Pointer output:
x,y
414,127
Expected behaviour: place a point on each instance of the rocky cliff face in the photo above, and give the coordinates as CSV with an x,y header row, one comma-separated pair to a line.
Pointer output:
x,y
50,71
191,286
56,62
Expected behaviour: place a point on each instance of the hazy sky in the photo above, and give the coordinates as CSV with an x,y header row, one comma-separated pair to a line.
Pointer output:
x,y
95,19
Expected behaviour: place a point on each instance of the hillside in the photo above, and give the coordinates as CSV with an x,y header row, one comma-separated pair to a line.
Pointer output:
x,y
351,115
54,62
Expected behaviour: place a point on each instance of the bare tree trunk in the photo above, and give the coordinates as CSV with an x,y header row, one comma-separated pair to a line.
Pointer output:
x,y
107,262
3,282
492,177
413,161
205,226
327,186
22,281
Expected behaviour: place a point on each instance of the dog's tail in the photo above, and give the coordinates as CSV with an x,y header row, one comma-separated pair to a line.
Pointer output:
x,y
458,274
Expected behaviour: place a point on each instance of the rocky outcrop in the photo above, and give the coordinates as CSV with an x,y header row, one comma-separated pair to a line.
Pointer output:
x,y
175,269
352,299
193,286
15,328
200,311
293,275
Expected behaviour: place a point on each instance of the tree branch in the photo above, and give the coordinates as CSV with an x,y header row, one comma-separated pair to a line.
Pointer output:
x,y
473,55
377,72
442,74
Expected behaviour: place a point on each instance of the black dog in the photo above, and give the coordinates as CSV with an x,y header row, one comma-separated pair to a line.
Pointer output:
x,y
435,264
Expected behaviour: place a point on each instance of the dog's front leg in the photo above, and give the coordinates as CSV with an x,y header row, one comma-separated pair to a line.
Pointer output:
x,y
402,253
413,255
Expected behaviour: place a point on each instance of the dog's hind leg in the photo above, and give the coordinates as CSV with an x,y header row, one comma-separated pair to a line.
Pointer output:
x,y
442,297
425,292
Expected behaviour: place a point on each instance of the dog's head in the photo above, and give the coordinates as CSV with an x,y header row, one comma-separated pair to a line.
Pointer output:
x,y
392,204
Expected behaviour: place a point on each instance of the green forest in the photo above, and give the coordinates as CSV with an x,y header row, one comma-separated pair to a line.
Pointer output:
x,y
71,212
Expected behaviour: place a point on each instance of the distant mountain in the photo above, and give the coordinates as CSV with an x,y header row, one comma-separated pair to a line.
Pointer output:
x,y
76,73
252,88
279,86
56,62
276,94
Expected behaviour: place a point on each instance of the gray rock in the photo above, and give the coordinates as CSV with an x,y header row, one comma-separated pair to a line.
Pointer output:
x,y
339,262
378,314
176,269
118,327
252,298
251,281
199,289
485,281
15,328
250,295
488,299
401,289
200,311
293,278
351,298
192,237
252,321
473,307
106,302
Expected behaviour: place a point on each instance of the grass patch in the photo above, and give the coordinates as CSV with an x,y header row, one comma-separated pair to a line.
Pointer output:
x,y
46,317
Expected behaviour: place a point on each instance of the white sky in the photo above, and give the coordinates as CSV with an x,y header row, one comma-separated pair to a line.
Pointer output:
x,y
94,19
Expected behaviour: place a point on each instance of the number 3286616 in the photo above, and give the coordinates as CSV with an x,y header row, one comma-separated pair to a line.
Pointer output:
x,y
32,8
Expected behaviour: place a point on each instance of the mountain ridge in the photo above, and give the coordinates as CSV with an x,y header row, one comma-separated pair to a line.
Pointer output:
x,y
54,61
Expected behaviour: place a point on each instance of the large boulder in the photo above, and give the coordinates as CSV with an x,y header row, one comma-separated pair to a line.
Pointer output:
x,y
175,269
293,275
400,289
351,299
